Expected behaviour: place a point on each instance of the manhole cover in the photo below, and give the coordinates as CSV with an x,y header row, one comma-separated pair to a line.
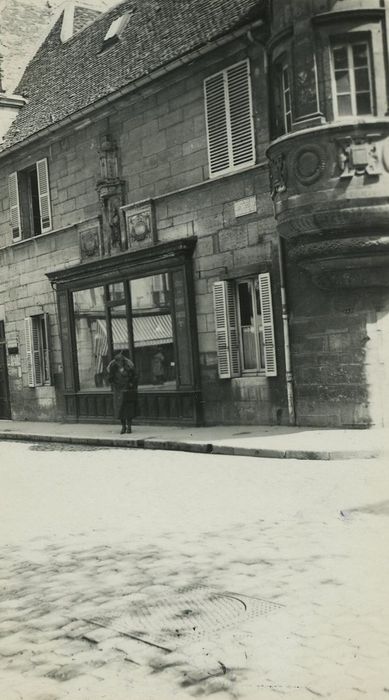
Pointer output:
x,y
190,614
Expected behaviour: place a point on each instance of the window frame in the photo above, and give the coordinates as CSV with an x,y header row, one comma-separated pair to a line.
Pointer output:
x,y
348,43
228,327
21,201
227,112
260,359
37,339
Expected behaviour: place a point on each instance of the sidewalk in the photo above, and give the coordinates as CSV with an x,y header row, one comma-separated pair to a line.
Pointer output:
x,y
280,442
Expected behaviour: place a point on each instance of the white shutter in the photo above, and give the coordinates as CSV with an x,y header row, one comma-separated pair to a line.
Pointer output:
x,y
268,324
46,349
44,194
241,119
217,124
37,350
227,338
14,206
229,119
29,350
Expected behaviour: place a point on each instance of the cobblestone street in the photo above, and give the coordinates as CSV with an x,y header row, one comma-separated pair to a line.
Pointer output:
x,y
89,534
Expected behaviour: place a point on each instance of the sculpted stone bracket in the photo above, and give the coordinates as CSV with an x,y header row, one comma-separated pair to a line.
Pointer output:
x,y
278,175
359,156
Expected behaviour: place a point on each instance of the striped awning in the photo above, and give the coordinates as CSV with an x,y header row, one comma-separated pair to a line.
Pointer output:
x,y
148,330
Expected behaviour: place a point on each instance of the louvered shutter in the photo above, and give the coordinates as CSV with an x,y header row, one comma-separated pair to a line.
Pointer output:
x,y
240,110
46,349
29,350
37,350
227,338
230,129
14,206
268,324
217,124
44,194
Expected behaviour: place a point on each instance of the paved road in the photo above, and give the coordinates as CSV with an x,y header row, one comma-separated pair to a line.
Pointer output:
x,y
89,535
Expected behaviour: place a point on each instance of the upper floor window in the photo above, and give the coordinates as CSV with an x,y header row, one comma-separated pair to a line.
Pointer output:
x,y
352,79
282,99
30,207
229,117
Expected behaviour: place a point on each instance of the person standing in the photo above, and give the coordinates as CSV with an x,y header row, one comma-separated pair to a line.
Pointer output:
x,y
123,378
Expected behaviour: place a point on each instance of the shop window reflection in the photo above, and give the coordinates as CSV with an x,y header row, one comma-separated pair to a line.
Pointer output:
x,y
91,337
150,342
153,332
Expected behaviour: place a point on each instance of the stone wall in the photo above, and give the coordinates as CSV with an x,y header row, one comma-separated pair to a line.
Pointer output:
x,y
161,138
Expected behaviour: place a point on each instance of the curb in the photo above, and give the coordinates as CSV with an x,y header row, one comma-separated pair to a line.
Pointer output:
x,y
197,447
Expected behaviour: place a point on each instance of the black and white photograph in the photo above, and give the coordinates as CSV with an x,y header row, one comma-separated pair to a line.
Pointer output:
x,y
194,349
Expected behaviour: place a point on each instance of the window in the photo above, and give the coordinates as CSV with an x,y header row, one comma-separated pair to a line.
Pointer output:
x,y
230,131
244,327
282,98
37,348
30,207
115,29
133,316
352,79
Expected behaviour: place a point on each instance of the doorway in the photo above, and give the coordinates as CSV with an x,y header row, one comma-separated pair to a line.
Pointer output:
x,y
5,406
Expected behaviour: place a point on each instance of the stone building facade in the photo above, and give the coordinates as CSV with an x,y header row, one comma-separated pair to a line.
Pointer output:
x,y
135,215
330,178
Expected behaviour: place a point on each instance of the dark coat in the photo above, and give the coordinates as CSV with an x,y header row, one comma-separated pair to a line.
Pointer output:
x,y
124,381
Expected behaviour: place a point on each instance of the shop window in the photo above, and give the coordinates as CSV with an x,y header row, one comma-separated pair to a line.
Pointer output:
x,y
282,98
244,327
352,83
30,207
37,349
91,337
152,327
229,118
139,323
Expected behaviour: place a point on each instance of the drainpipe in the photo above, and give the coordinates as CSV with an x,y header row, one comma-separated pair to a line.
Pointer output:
x,y
285,325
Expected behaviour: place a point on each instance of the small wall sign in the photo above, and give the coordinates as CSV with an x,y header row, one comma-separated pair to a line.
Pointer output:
x,y
245,206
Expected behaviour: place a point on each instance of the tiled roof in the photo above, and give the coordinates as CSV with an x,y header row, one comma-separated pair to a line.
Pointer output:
x,y
63,78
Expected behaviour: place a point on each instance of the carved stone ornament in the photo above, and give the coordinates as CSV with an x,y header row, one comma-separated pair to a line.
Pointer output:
x,y
140,225
278,175
309,163
357,156
90,240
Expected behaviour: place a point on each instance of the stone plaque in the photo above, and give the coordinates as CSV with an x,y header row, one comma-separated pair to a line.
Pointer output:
x,y
140,225
90,241
245,206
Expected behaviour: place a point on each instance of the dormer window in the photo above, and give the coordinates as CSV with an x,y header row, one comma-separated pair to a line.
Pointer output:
x,y
115,29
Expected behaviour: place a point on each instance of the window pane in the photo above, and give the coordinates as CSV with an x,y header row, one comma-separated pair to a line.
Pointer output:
x,y
362,82
91,337
116,291
259,326
344,105
360,55
340,57
247,328
342,79
248,348
245,304
285,75
364,103
119,330
153,332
